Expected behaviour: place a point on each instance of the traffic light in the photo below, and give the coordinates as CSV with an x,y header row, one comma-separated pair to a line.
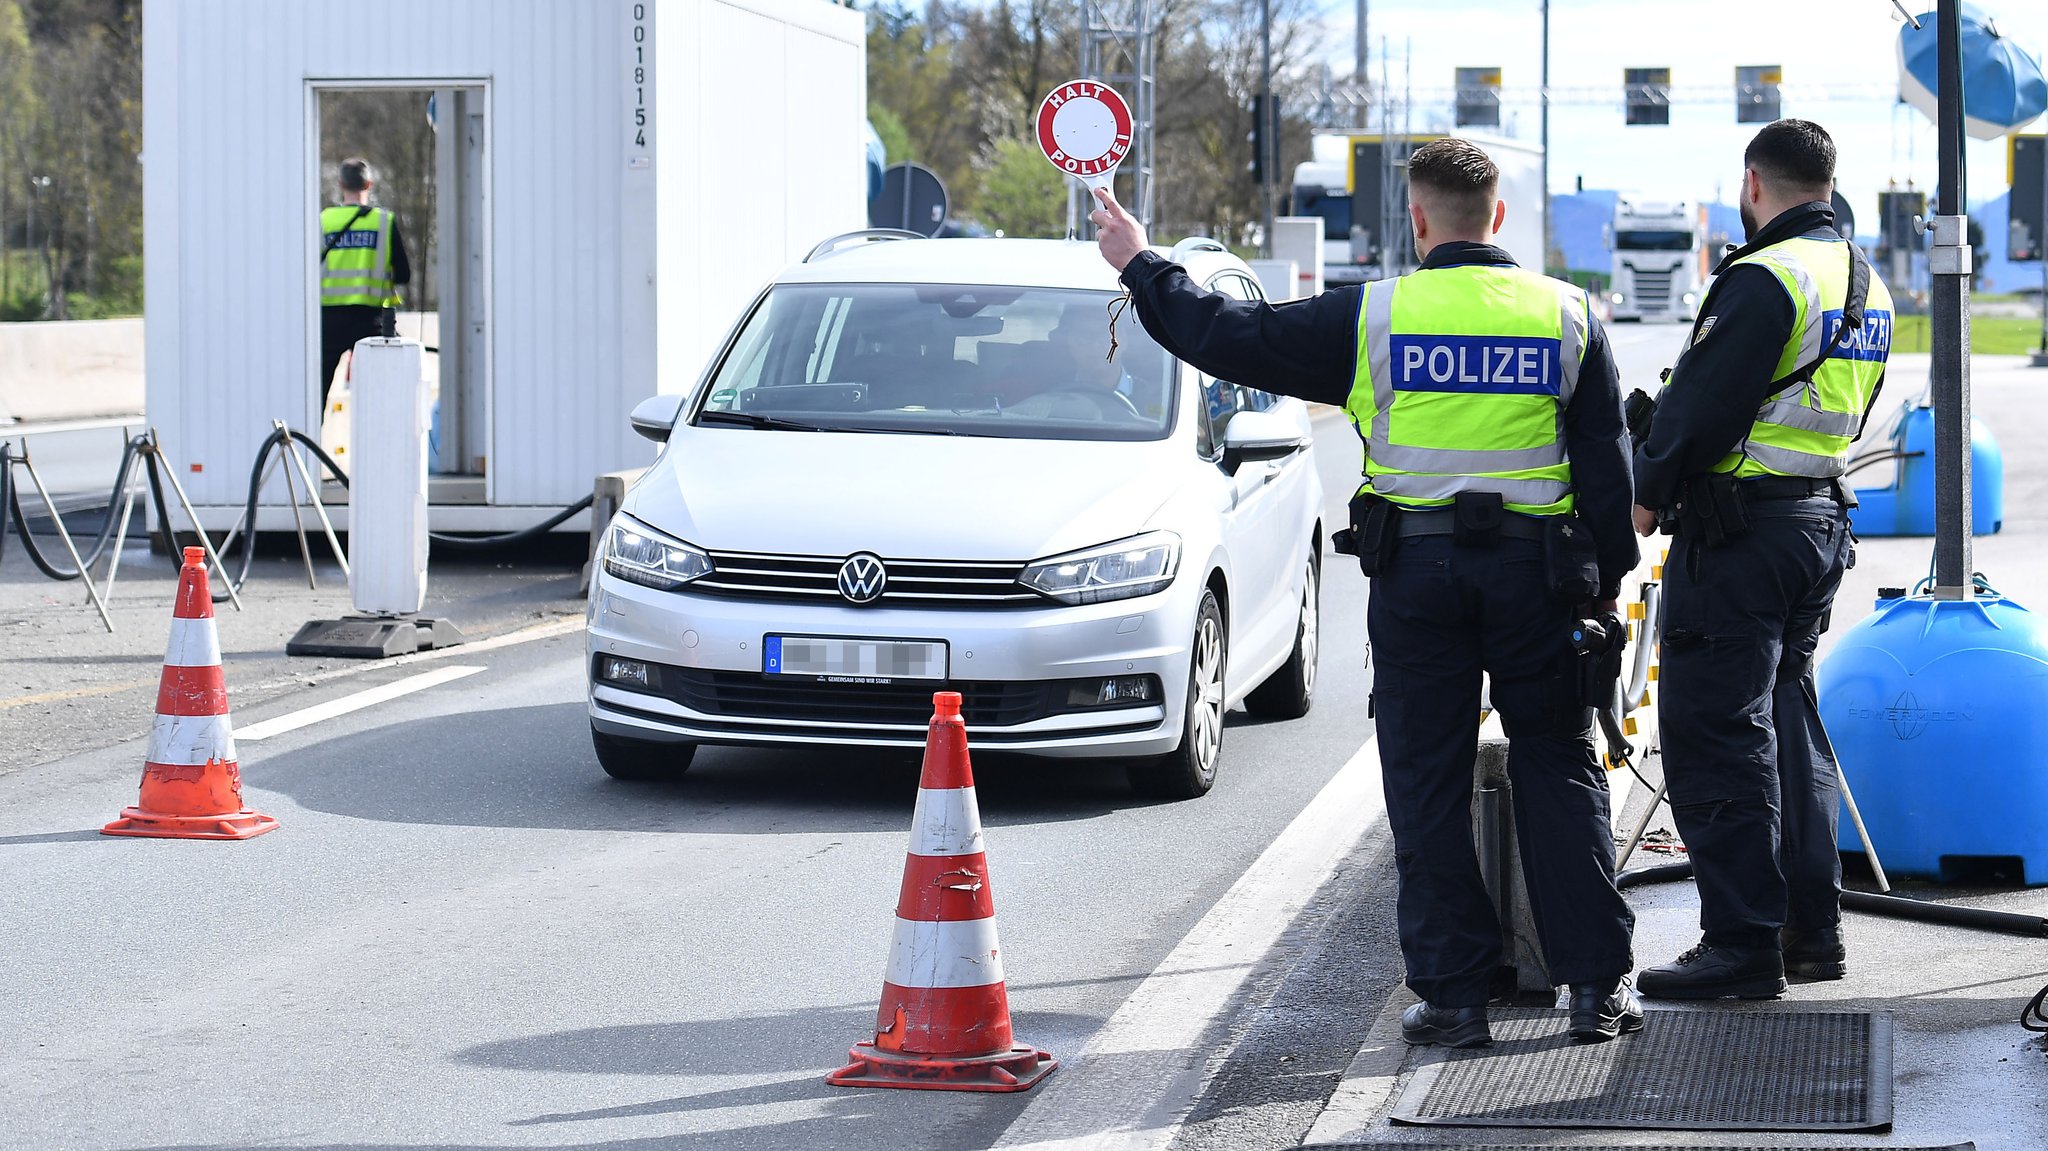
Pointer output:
x,y
1895,212
2024,240
1756,93
1478,100
1646,94
1257,138
1265,134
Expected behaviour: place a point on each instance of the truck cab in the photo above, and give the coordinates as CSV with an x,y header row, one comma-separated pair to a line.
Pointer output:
x,y
1660,259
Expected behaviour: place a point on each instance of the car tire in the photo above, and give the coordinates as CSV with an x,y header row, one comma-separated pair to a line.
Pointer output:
x,y
639,760
1291,690
1189,771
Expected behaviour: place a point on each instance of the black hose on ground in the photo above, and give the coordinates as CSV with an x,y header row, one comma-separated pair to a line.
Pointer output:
x,y
10,506
141,448
278,439
1891,906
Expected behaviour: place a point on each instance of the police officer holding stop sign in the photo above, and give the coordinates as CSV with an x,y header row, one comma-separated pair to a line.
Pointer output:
x,y
1495,513
1743,462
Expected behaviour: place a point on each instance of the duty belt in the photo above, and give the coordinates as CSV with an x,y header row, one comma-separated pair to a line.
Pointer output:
x,y
1413,524
1790,488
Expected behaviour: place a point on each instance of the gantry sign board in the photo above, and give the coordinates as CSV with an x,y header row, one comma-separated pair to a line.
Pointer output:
x,y
1084,128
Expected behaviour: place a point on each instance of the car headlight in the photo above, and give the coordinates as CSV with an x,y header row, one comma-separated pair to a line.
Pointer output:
x,y
638,554
1690,298
1616,298
1137,566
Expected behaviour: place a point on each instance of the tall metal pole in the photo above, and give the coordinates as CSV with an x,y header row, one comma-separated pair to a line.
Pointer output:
x,y
2041,249
1545,119
1269,148
1949,323
1362,49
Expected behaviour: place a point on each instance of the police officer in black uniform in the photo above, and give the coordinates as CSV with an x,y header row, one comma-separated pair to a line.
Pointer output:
x,y
1742,462
1517,438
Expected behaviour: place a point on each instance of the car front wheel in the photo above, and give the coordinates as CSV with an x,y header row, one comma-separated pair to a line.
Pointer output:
x,y
1189,770
1291,690
641,760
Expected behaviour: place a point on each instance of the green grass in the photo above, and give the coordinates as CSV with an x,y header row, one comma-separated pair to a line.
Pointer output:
x,y
1989,335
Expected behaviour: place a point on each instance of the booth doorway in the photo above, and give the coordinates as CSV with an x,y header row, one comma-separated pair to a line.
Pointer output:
x,y
428,146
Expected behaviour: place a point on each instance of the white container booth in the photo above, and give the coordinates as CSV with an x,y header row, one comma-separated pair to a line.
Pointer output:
x,y
597,191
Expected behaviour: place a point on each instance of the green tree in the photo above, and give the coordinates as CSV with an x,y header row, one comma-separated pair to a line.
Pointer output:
x,y
1021,194
19,111
913,72
889,126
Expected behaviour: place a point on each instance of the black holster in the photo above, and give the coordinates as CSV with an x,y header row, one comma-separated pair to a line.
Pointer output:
x,y
1370,536
1711,508
1600,670
1571,564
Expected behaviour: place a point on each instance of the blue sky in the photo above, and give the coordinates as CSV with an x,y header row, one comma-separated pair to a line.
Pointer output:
x,y
1840,69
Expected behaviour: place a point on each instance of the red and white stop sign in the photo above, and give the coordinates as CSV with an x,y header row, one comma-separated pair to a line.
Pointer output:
x,y
1084,128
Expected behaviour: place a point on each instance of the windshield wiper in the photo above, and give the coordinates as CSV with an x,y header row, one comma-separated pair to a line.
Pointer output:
x,y
756,420
896,431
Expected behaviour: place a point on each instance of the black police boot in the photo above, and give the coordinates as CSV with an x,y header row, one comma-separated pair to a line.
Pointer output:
x,y
1717,973
1815,954
1601,1011
1424,1024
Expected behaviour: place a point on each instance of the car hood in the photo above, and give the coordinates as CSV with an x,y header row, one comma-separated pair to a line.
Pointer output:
x,y
901,496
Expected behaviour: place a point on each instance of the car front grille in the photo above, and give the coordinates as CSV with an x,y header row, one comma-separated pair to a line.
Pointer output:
x,y
911,583
750,695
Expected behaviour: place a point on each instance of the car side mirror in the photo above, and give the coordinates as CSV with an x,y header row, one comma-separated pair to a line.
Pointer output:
x,y
1251,437
654,416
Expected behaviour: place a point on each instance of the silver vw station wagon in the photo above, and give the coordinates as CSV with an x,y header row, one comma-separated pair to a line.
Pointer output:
x,y
915,466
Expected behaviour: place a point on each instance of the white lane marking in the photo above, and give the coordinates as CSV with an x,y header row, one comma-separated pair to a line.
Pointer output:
x,y
1137,1078
307,716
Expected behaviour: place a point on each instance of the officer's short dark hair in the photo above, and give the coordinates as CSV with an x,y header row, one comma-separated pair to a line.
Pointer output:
x,y
356,174
1793,155
1457,181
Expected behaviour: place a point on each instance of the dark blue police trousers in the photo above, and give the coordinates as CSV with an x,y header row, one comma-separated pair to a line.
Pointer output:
x,y
1752,775
1439,615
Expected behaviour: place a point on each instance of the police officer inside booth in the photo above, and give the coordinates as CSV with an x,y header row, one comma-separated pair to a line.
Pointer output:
x,y
1743,463
1494,514
362,262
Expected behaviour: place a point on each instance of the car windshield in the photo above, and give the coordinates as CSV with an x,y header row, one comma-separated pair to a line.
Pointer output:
x,y
969,360
1653,241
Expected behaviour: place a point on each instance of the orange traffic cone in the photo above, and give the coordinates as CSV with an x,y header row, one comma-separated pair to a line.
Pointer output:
x,y
191,786
944,1023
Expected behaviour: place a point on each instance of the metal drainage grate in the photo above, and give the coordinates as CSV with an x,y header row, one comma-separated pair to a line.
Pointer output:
x,y
1686,1071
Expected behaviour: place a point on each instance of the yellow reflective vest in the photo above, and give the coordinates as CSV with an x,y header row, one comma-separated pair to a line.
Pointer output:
x,y
1806,426
1462,381
357,269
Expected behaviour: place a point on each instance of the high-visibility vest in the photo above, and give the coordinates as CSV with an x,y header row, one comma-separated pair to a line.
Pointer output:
x,y
358,265
1806,426
1462,382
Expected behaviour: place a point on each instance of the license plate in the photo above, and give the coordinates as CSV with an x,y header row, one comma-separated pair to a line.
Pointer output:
x,y
853,660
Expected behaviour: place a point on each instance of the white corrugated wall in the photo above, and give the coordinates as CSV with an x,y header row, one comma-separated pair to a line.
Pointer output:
x,y
229,240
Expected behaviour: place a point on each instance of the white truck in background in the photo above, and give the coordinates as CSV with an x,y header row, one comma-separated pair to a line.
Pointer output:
x,y
1659,258
1347,182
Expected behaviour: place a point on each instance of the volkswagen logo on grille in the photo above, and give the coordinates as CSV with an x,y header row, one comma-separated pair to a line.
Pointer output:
x,y
862,578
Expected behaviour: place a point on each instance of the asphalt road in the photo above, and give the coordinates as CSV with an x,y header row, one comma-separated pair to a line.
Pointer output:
x,y
464,935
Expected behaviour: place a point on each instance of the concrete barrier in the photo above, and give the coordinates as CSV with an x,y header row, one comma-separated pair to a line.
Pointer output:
x,y
606,496
70,370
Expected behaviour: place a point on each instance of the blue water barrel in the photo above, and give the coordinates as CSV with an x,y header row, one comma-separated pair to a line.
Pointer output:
x,y
1906,508
1938,711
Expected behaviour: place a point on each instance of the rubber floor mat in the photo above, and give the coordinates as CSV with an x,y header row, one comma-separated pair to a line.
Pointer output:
x,y
1966,1146
1707,1070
